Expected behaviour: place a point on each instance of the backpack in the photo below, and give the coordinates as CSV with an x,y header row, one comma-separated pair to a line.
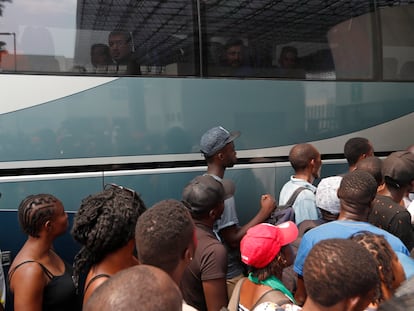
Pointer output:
x,y
285,212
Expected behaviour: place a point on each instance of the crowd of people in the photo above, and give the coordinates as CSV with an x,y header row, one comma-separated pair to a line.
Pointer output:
x,y
347,246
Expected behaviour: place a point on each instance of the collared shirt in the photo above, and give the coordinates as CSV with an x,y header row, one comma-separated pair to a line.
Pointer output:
x,y
305,205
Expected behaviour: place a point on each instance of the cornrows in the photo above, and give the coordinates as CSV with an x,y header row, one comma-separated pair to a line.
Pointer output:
x,y
35,211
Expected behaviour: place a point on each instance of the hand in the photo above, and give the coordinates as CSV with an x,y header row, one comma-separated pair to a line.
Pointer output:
x,y
267,204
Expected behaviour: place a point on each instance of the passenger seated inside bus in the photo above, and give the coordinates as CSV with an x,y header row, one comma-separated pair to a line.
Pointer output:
x,y
100,58
234,59
289,63
122,50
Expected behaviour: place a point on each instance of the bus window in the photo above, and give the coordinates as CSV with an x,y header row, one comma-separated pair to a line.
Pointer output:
x,y
397,41
141,37
289,39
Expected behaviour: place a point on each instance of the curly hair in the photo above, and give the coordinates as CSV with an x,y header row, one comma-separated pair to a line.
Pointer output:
x,y
337,269
163,233
358,189
383,254
104,223
34,211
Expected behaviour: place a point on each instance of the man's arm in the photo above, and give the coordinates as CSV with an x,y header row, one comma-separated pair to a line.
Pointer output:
x,y
232,235
300,294
401,227
215,293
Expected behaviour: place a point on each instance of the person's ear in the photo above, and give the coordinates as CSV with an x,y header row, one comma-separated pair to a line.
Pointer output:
x,y
188,255
352,303
48,225
220,155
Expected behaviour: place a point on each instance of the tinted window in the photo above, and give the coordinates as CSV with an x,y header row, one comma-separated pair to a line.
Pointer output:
x,y
152,37
397,41
289,39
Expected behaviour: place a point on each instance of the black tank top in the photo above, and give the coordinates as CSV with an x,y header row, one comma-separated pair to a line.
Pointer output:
x,y
60,293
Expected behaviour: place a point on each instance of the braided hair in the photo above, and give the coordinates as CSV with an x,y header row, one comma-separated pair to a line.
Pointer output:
x,y
383,254
34,211
104,223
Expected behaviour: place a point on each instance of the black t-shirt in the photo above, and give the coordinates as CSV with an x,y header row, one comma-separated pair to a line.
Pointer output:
x,y
394,218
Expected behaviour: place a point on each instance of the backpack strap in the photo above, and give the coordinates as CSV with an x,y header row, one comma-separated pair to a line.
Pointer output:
x,y
260,294
235,296
274,296
293,197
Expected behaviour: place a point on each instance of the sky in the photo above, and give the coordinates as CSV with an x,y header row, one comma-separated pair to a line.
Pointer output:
x,y
45,27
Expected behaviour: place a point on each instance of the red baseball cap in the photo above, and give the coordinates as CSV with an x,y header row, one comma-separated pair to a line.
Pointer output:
x,y
263,242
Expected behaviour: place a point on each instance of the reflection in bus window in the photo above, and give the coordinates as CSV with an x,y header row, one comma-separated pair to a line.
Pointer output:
x,y
397,42
58,38
318,31
331,39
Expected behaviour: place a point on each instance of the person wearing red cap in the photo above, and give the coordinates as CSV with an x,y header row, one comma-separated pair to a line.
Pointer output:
x,y
265,249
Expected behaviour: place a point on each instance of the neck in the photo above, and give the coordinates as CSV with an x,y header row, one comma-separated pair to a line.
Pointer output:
x,y
304,176
208,222
352,168
353,215
311,305
395,194
216,169
38,247
118,260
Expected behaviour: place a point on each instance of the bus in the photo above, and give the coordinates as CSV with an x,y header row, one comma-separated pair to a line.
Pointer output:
x,y
281,72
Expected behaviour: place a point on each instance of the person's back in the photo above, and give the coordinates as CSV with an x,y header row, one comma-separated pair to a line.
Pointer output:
x,y
165,238
217,146
139,288
387,213
203,282
346,280
356,192
265,249
306,161
105,227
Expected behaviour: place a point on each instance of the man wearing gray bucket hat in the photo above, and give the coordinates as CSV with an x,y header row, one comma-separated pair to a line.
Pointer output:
x,y
217,146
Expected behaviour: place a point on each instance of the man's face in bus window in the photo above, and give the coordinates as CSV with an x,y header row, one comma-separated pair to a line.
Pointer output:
x,y
234,56
288,61
100,56
119,47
